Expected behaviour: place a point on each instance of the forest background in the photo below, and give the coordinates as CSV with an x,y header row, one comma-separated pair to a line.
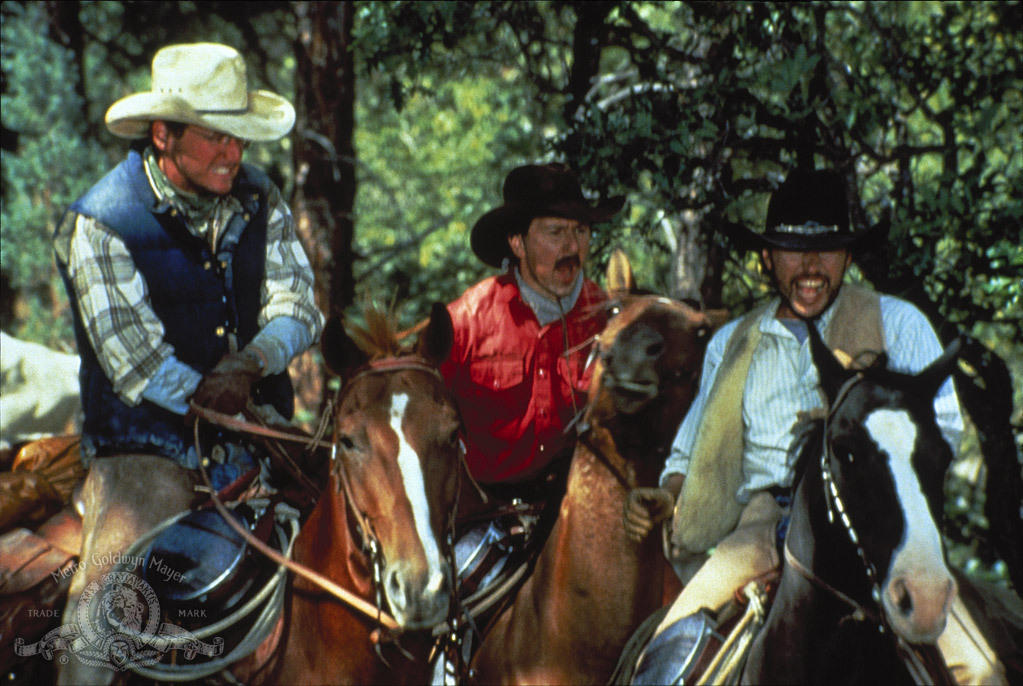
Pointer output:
x,y
411,113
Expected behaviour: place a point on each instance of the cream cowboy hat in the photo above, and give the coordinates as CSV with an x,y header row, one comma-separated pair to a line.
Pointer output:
x,y
202,84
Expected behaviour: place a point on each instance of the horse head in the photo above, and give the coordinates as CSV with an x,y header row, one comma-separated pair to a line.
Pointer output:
x,y
397,442
883,464
651,350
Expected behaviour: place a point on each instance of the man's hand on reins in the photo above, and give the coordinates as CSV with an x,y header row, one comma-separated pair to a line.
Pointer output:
x,y
226,387
645,508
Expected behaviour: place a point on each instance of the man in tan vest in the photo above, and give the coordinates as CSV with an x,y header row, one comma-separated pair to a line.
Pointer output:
x,y
727,477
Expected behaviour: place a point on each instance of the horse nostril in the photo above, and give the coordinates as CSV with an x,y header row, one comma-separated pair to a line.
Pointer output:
x,y
902,597
396,590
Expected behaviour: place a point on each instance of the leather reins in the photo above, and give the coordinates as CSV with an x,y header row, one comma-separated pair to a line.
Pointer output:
x,y
375,613
836,509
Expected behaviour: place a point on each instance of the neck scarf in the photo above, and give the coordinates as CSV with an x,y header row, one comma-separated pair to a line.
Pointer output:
x,y
546,309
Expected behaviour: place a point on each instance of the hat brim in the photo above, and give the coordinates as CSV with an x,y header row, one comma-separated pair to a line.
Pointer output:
x,y
269,117
746,239
489,237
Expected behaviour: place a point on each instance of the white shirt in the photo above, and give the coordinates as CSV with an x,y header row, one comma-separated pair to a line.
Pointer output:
x,y
783,381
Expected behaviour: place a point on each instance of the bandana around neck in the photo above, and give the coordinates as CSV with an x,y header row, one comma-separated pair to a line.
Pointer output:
x,y
546,309
199,211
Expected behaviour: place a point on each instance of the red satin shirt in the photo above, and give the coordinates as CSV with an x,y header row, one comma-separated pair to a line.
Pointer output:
x,y
514,388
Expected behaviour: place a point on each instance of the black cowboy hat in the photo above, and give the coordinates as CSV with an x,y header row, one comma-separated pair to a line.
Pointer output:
x,y
535,190
808,212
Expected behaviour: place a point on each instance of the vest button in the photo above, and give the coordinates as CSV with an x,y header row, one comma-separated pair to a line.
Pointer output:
x,y
220,331
223,264
208,265
246,216
173,212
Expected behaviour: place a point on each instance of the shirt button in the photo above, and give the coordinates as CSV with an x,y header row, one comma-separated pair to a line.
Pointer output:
x,y
541,447
220,331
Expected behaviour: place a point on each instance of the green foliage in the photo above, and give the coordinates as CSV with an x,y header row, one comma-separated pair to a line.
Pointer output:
x,y
50,168
694,110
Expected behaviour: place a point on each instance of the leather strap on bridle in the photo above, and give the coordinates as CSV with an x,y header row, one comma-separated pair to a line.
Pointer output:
x,y
314,577
860,612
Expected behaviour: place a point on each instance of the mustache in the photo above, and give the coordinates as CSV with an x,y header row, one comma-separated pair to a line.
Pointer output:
x,y
569,261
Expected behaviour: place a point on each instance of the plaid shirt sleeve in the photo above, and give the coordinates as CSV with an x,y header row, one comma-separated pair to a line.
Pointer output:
x,y
288,283
113,302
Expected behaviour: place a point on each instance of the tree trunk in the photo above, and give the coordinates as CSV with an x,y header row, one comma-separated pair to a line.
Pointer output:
x,y
324,165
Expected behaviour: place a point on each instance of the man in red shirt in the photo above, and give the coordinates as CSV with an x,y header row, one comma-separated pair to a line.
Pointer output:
x,y
518,366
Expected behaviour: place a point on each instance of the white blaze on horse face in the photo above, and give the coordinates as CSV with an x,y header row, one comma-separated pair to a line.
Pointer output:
x,y
918,588
415,489
895,435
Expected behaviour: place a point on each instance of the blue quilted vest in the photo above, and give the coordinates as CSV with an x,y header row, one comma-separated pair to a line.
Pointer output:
x,y
200,296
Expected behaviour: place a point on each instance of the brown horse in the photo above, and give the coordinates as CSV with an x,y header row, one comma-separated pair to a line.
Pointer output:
x,y
592,587
392,488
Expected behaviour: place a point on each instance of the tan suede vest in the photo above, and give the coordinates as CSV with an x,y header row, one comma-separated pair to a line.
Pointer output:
x,y
707,510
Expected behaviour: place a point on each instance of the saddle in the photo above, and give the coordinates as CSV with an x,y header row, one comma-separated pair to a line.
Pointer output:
x,y
705,647
495,551
711,648
36,564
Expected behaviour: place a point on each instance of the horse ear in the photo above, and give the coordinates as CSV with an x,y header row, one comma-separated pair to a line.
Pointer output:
x,y
831,372
435,341
619,274
934,374
340,353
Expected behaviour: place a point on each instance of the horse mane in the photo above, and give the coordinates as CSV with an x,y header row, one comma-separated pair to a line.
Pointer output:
x,y
379,336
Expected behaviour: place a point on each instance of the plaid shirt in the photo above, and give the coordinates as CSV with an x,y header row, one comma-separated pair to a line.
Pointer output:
x,y
114,304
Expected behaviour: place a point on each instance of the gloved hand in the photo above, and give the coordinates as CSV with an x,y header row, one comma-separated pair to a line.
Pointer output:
x,y
226,387
645,508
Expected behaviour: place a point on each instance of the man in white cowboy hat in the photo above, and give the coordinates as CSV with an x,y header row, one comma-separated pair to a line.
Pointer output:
x,y
187,284
516,389
748,403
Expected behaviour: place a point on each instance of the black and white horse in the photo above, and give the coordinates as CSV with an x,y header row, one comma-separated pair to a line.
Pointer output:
x,y
865,573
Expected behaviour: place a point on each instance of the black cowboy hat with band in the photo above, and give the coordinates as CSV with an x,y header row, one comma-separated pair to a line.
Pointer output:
x,y
808,212
535,190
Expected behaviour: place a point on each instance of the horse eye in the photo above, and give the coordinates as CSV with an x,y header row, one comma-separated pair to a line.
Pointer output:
x,y
346,442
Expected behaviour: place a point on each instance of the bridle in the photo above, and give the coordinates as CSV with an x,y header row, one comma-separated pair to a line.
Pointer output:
x,y
836,509
369,542
584,431
371,545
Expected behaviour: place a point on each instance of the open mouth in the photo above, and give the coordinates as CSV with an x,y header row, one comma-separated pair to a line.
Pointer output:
x,y
566,267
810,288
